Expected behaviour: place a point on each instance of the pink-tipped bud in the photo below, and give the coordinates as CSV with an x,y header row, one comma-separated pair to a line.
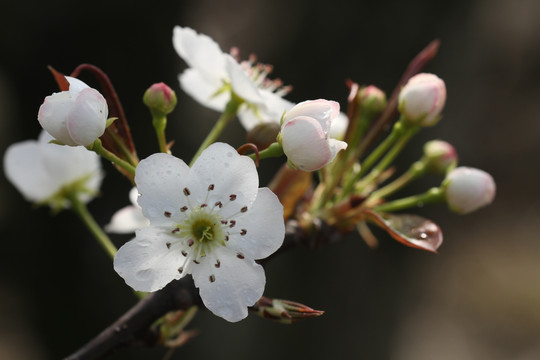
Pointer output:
x,y
422,99
468,189
160,99
372,99
441,156
284,311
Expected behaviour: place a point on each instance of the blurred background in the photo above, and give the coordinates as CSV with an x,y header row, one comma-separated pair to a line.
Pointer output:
x,y
479,298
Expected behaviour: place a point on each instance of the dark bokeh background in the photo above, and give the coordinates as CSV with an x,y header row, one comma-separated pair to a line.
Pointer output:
x,y
478,299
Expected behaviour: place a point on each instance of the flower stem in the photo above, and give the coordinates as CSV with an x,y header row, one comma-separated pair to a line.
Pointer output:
x,y
416,170
433,195
228,114
80,208
98,148
274,150
160,123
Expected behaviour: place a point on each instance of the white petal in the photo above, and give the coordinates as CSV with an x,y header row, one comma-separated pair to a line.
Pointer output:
x,y
203,89
338,128
127,220
335,147
146,263
273,110
160,179
75,86
230,173
24,169
324,111
199,51
238,283
305,144
241,84
53,115
264,224
88,117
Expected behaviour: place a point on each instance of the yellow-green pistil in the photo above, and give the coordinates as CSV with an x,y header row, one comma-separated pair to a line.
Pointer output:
x,y
203,229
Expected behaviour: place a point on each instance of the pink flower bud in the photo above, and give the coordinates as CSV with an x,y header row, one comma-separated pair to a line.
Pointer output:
x,y
371,98
160,98
74,117
422,99
468,189
441,156
304,134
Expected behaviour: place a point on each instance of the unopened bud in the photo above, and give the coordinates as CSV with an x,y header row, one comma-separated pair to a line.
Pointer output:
x,y
371,99
263,134
441,156
160,99
283,311
468,189
422,99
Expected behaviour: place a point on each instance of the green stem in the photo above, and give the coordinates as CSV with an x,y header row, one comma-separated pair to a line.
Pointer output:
x,y
160,123
416,170
433,195
228,114
274,150
98,148
80,208
123,148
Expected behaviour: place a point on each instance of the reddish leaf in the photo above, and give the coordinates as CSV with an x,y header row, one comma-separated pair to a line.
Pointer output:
x,y
411,230
60,79
290,186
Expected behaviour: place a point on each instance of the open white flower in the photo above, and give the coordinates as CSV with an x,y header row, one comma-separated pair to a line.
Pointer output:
x,y
74,117
213,74
47,173
129,218
211,221
305,134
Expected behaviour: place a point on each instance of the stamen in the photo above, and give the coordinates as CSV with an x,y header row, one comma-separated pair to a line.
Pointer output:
x,y
180,269
243,232
232,197
187,192
244,209
175,230
210,187
218,204
226,237
212,278
167,214
204,205
183,208
232,223
183,253
168,245
196,262
224,222
240,256
190,242
217,264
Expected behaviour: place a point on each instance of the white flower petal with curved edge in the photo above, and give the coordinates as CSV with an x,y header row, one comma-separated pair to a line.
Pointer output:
x,y
241,84
339,125
266,237
160,179
88,117
147,263
75,86
200,52
204,89
305,144
129,218
324,111
24,169
335,146
220,165
227,291
53,114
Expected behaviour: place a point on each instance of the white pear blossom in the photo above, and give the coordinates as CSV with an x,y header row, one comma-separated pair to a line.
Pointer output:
x,y
74,117
305,134
422,99
468,189
129,218
211,221
46,173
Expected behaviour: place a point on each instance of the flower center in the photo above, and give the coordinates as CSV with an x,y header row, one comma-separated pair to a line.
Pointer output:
x,y
203,230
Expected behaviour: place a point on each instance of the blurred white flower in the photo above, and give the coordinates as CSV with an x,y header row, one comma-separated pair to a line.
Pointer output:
x,y
46,173
74,117
211,221
422,99
468,189
129,218
304,134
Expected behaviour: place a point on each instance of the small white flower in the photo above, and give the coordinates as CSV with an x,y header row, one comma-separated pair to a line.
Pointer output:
x,y
45,173
468,189
422,99
74,117
304,134
212,75
129,218
211,221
